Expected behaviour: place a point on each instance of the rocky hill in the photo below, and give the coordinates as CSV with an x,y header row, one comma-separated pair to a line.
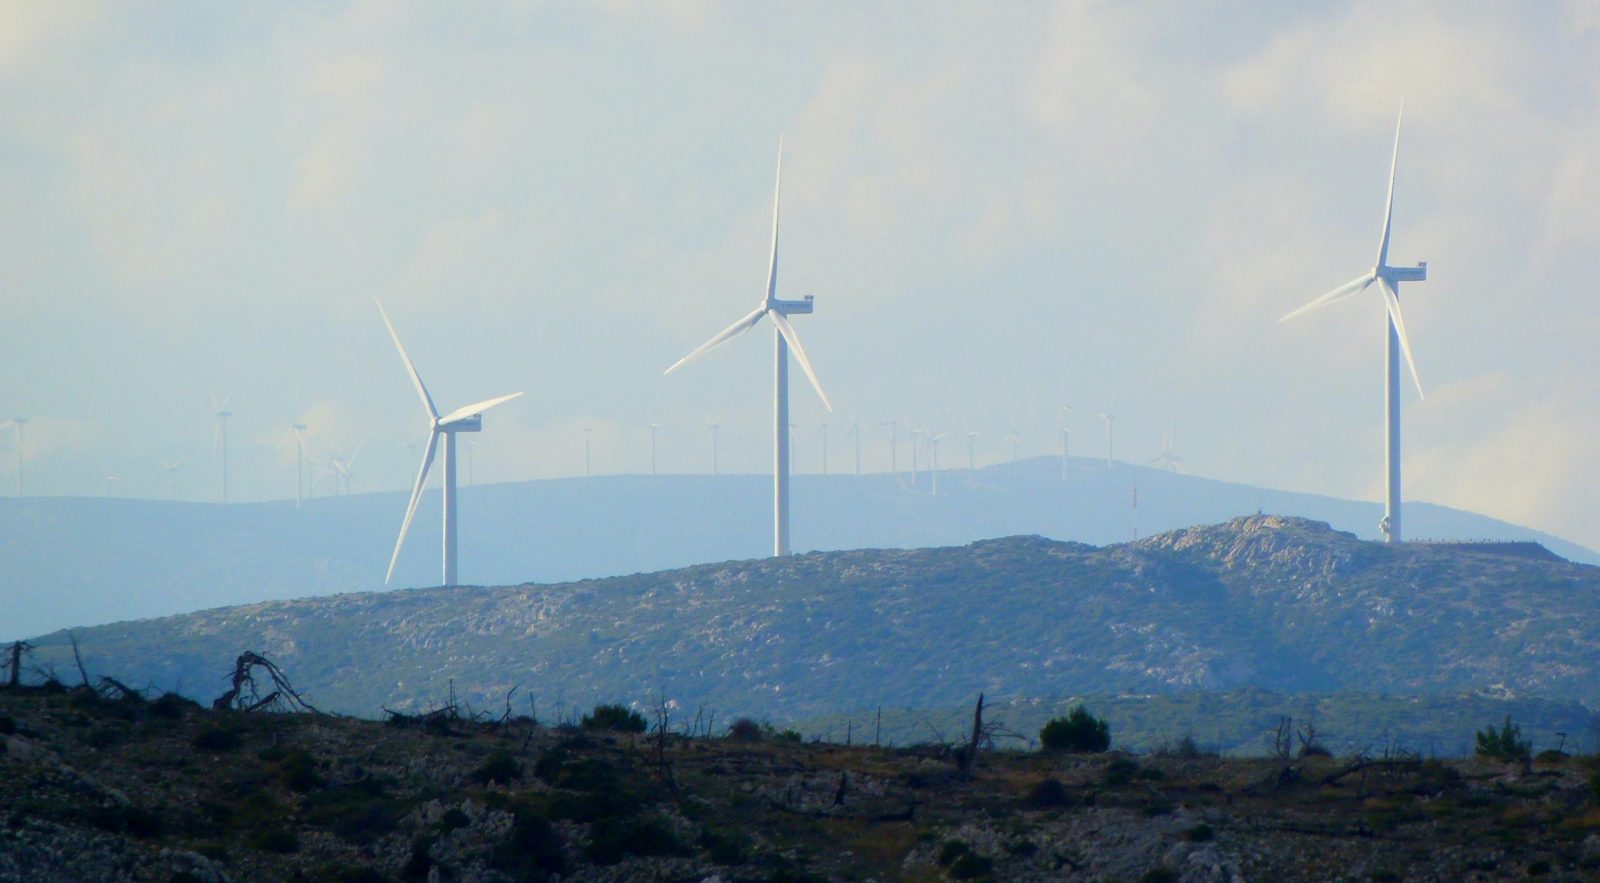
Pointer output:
x,y
72,562
1281,604
108,785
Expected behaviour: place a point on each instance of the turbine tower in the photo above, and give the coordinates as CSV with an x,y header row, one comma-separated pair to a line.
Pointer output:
x,y
172,478
855,433
1388,279
297,431
17,423
219,438
715,425
784,339
1066,439
1013,437
586,470
933,445
1168,459
894,446
653,428
972,451
1111,448
467,419
822,433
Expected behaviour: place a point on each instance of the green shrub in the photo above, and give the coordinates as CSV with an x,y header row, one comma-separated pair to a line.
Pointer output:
x,y
1049,793
1120,771
619,718
952,850
452,819
1505,743
789,736
171,706
1199,833
611,839
532,843
278,840
971,866
1079,731
357,813
498,768
216,739
297,771
745,730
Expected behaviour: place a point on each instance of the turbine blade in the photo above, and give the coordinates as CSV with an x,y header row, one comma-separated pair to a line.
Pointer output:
x,y
416,495
1354,286
733,330
777,195
1391,300
416,379
1388,209
793,339
477,408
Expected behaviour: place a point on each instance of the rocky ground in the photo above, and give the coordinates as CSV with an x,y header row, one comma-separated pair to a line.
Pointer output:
x,y
99,785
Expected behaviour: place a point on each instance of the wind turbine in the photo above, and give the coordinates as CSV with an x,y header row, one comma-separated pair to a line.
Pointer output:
x,y
784,338
894,446
586,466
972,456
467,419
341,469
172,478
933,444
855,433
1111,449
1066,439
1013,438
714,425
823,434
1388,279
1168,459
219,437
653,428
17,423
297,431
916,435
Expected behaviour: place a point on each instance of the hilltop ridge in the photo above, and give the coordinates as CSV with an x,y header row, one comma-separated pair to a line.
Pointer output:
x,y
1284,604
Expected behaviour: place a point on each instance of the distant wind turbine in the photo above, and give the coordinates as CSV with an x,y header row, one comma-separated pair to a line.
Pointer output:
x,y
933,445
1168,458
715,425
17,423
1066,439
1111,448
653,428
1388,279
219,438
894,446
297,431
916,436
972,450
784,339
172,478
1013,438
587,472
822,433
467,419
855,433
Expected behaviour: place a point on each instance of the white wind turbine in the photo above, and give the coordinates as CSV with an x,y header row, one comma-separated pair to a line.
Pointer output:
x,y
297,431
855,434
587,471
933,450
1388,279
1066,439
784,339
1014,438
715,425
172,477
894,445
466,419
17,423
653,428
219,438
1111,448
972,449
1168,459
822,433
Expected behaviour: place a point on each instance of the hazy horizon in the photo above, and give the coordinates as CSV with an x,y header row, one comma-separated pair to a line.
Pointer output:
x,y
1000,209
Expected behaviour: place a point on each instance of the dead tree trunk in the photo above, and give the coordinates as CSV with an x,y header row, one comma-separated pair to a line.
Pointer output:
x,y
969,757
16,664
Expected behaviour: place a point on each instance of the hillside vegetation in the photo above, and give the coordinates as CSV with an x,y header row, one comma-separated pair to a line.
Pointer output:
x,y
1279,604
107,785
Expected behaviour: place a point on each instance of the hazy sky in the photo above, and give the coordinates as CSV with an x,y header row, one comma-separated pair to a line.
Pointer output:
x,y
1001,209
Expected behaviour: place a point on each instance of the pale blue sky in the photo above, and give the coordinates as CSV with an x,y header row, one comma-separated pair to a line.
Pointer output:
x,y
1001,209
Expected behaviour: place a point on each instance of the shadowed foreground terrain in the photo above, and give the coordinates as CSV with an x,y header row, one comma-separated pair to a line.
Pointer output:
x,y
99,788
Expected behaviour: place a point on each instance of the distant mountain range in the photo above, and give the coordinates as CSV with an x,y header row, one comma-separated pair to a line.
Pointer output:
x,y
80,561
1282,604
